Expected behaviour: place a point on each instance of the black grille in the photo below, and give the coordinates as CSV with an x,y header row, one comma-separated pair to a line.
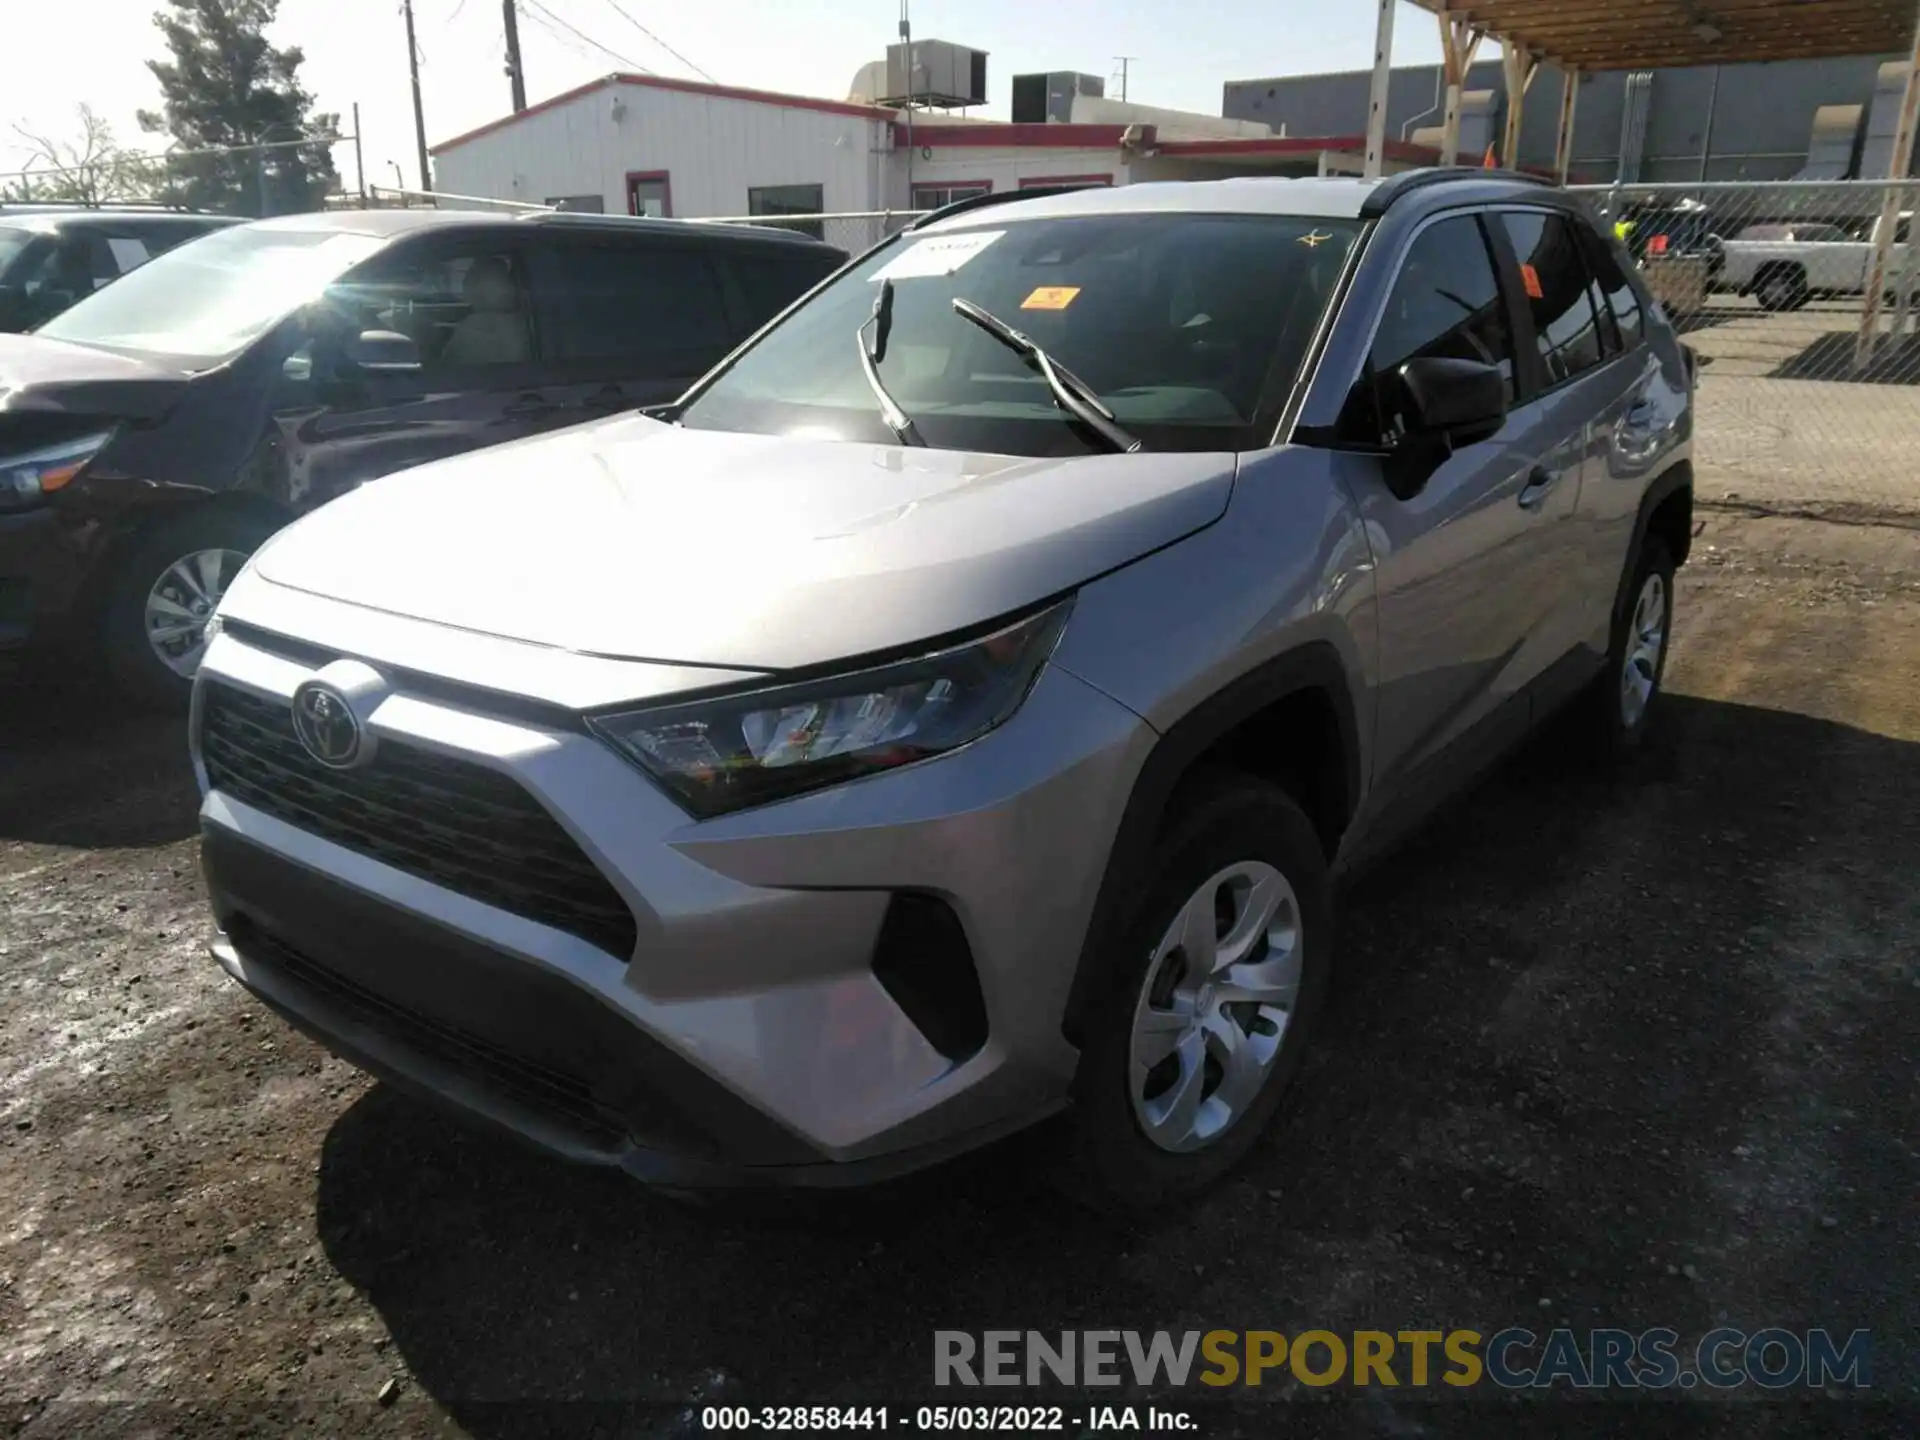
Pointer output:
x,y
566,1101
449,821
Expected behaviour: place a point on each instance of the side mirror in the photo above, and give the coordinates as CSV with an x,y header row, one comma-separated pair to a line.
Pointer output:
x,y
383,352
1458,402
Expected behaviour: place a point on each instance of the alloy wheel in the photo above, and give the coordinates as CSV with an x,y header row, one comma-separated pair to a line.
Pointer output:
x,y
181,602
1215,1007
1646,639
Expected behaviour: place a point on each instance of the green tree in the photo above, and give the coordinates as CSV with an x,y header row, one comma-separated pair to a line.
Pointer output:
x,y
226,86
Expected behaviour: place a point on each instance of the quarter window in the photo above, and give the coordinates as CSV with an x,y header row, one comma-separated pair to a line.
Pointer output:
x,y
1613,284
1446,304
1554,278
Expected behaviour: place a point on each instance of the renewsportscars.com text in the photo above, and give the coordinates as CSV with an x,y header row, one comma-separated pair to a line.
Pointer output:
x,y
1513,1358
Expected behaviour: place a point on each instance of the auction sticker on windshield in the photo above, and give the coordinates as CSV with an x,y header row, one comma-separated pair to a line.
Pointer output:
x,y
936,255
1050,297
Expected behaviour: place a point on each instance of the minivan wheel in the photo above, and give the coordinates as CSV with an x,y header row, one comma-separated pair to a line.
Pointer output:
x,y
1202,1017
156,616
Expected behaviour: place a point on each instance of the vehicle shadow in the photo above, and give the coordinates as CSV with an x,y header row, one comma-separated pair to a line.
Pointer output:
x,y
80,767
1551,1020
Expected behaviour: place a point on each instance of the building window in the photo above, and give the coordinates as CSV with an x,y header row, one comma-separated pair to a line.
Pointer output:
x,y
788,200
1071,182
932,197
582,204
649,192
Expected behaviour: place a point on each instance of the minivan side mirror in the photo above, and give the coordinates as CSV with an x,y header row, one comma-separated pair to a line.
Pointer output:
x,y
1457,401
383,352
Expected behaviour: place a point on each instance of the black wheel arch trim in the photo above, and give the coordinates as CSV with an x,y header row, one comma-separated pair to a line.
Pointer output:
x,y
1314,667
1672,480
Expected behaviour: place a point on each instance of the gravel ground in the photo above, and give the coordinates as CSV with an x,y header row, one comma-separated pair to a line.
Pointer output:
x,y
1603,1051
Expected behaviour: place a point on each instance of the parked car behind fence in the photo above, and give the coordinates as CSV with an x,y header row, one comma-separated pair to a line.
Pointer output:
x,y
155,433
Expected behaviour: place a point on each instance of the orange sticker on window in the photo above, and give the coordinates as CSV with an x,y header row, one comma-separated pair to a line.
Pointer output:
x,y
1657,245
1530,277
1050,297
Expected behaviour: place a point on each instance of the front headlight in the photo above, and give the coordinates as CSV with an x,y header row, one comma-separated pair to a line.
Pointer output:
x,y
736,751
28,477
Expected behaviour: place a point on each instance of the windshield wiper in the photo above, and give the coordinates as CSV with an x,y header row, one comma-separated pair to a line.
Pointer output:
x,y
1074,395
870,357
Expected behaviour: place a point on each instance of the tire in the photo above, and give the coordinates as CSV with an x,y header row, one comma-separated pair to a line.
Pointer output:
x,y
1223,825
1781,290
1620,708
135,662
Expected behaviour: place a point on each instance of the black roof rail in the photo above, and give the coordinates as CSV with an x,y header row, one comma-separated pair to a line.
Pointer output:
x,y
992,197
1397,187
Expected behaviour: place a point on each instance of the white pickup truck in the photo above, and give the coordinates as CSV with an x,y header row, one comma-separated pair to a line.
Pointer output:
x,y
1784,266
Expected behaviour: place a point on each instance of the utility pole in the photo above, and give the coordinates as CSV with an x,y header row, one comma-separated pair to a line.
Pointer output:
x,y
906,39
1123,59
359,157
419,115
510,22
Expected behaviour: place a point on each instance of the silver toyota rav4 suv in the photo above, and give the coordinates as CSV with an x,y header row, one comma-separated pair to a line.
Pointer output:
x,y
956,712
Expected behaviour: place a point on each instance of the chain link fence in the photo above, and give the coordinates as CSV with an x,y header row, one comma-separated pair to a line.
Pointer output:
x,y
1809,386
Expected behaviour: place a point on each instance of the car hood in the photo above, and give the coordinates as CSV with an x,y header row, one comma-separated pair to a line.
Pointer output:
x,y
55,377
639,540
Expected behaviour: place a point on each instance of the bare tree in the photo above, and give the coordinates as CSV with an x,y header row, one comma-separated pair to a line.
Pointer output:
x,y
91,169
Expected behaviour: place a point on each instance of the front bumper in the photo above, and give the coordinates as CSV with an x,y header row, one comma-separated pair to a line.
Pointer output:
x,y
36,573
747,1037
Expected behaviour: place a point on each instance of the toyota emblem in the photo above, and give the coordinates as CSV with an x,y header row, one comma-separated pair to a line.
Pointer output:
x,y
325,724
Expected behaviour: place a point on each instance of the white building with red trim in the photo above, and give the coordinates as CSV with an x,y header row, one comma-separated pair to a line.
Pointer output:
x,y
645,144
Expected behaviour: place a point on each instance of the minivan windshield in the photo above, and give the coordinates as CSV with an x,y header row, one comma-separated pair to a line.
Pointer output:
x,y
210,298
1190,329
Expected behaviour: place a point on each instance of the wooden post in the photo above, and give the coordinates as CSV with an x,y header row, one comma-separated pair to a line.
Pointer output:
x,y
1458,42
1377,97
1520,67
1890,208
1563,143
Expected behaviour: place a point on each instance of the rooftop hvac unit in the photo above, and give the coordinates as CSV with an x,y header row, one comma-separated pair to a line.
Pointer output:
x,y
945,76
1049,96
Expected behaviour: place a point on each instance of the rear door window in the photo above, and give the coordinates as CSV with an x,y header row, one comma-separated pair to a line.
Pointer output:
x,y
1554,279
656,307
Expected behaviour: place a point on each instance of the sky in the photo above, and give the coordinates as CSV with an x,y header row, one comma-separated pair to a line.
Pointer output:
x,y
64,53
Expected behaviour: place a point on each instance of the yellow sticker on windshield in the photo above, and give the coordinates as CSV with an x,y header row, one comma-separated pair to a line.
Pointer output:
x,y
1050,297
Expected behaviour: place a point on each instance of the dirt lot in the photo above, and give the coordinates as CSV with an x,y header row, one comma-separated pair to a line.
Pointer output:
x,y
1632,1051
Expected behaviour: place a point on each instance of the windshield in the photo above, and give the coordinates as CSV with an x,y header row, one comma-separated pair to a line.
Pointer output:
x,y
1190,329
211,297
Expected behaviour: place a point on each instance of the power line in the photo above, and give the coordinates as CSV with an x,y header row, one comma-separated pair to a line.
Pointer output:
x,y
536,8
621,12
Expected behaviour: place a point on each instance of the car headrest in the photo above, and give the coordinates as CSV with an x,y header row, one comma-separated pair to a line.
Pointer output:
x,y
489,285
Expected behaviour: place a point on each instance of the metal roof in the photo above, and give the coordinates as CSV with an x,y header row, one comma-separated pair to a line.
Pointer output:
x,y
1649,34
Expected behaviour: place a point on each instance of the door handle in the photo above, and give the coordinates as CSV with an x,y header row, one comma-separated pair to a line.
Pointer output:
x,y
1539,481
